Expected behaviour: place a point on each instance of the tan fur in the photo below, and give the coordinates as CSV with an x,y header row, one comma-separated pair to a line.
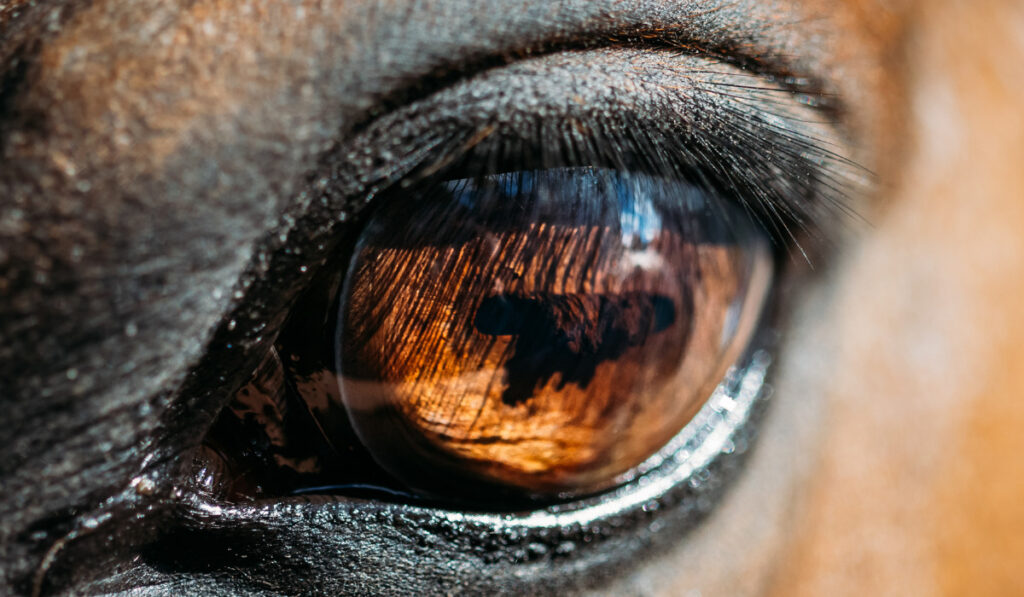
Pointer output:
x,y
919,488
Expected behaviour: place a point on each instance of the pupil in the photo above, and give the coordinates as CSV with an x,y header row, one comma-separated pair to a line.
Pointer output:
x,y
568,335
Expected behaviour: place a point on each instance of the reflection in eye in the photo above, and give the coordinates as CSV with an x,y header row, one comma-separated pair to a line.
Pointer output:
x,y
531,334
541,331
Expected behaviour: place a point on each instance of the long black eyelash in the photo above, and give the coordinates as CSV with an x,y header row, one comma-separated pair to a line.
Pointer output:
x,y
739,136
791,183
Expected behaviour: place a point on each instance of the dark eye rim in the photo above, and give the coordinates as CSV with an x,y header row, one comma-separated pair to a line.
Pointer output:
x,y
549,548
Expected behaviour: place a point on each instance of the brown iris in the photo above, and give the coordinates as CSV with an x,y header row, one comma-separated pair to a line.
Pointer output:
x,y
540,332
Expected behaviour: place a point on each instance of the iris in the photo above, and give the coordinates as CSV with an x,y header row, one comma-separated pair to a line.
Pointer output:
x,y
540,332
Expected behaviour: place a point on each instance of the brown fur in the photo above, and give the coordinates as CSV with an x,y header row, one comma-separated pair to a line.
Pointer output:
x,y
919,489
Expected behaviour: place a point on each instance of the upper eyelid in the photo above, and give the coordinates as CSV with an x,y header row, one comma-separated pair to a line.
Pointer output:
x,y
680,95
462,38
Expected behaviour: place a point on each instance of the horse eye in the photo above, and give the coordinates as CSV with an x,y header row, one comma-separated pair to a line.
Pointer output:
x,y
525,306
544,332
523,335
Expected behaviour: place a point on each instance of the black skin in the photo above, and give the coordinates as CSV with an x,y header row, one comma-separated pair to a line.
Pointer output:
x,y
143,275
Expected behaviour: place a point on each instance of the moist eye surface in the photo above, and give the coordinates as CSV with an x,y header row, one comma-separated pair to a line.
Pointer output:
x,y
541,331
533,334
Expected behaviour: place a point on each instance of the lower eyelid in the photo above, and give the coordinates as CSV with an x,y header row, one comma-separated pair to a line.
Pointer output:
x,y
600,534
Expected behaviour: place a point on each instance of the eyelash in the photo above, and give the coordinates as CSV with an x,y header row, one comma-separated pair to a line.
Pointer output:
x,y
718,136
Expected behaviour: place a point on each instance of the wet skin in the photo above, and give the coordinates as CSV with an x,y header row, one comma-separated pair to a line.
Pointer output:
x,y
158,208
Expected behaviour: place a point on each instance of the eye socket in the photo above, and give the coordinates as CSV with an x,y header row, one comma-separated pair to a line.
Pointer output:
x,y
540,332
528,335
708,158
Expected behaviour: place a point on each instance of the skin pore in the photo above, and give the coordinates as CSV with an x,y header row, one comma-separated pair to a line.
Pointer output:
x,y
154,154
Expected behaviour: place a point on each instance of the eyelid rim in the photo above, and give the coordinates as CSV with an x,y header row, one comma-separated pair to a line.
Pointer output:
x,y
549,548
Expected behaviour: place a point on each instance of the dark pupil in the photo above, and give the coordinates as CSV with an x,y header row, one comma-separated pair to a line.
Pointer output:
x,y
569,334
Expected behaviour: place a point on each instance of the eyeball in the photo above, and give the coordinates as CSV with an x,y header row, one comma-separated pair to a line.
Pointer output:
x,y
541,333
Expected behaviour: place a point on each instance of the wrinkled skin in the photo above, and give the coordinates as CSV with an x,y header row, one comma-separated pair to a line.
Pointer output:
x,y
153,153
